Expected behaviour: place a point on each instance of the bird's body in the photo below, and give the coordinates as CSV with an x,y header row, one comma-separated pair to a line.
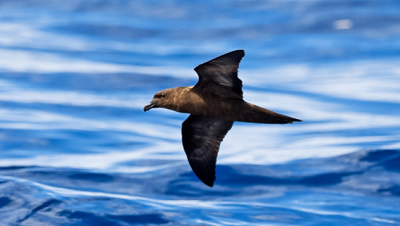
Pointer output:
x,y
188,100
214,103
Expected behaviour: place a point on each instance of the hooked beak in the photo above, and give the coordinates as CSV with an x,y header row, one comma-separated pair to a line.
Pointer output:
x,y
150,106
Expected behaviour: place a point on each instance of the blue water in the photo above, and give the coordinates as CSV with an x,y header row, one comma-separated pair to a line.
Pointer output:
x,y
76,147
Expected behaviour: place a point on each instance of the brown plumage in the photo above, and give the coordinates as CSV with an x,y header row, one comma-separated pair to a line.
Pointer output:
x,y
214,103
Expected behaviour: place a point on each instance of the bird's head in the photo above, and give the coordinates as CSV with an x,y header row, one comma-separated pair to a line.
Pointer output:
x,y
162,99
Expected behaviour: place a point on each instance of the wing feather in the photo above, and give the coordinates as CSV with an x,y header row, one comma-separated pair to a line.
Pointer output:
x,y
201,138
220,75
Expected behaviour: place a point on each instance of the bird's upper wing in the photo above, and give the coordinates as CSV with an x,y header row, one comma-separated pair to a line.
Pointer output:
x,y
201,137
219,75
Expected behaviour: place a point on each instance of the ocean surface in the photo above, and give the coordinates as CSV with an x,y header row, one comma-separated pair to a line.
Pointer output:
x,y
76,147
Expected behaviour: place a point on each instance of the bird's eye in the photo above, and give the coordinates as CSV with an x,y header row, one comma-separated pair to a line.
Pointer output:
x,y
162,95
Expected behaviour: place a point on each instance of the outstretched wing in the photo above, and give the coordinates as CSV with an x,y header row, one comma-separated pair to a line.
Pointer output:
x,y
201,137
219,75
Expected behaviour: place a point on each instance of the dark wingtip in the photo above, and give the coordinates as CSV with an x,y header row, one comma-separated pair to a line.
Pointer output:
x,y
240,51
205,176
236,55
209,183
206,179
239,54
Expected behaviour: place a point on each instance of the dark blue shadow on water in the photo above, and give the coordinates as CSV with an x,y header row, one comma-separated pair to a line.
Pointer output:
x,y
87,218
394,190
392,164
376,156
4,201
14,167
40,207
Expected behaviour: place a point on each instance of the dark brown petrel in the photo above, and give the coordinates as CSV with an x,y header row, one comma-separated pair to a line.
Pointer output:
x,y
214,103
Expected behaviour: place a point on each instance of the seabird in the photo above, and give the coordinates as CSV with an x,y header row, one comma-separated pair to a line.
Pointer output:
x,y
214,103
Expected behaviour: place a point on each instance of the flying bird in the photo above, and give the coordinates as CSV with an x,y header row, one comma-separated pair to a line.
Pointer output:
x,y
214,103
